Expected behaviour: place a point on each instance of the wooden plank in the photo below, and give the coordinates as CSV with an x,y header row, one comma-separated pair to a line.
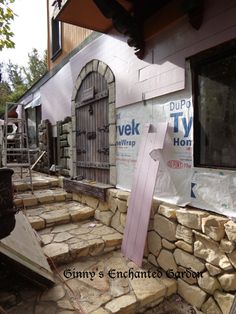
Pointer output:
x,y
97,190
141,194
21,248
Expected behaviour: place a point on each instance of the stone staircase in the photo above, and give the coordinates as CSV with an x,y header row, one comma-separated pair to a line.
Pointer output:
x,y
75,241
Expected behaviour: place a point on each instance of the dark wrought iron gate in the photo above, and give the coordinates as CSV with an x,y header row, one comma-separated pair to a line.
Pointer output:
x,y
92,129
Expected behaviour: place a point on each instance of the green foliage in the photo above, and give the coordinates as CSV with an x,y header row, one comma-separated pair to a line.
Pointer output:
x,y
6,17
36,67
18,79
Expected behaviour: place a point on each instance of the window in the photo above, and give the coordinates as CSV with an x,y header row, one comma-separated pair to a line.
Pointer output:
x,y
33,118
55,38
214,78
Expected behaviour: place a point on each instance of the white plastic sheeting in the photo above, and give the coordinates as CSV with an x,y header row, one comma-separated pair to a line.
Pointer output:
x,y
178,182
56,96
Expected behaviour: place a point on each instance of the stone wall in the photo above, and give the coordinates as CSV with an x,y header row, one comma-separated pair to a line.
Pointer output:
x,y
198,246
64,146
45,145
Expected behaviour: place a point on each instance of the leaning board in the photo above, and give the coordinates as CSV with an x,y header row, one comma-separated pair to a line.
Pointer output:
x,y
21,249
143,185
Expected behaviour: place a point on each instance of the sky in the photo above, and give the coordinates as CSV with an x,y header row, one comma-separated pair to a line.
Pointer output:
x,y
30,29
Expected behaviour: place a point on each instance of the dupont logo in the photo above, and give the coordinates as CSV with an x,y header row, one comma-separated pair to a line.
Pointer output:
x,y
175,164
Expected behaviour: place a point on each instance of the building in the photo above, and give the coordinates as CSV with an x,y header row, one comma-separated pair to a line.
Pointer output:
x,y
182,73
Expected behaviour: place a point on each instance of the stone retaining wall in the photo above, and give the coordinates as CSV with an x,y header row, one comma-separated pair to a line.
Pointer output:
x,y
64,146
198,246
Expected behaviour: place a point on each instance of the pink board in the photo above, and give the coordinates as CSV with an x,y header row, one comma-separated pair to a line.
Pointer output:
x,y
140,202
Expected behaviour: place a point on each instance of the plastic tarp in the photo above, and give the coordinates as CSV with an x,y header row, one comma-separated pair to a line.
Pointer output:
x,y
178,181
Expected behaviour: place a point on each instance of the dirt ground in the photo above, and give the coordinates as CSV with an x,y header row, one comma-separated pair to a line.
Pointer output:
x,y
173,305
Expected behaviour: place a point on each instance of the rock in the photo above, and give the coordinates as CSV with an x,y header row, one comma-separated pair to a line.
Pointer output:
x,y
184,233
191,218
184,246
213,226
112,192
58,216
147,290
122,206
90,201
54,294
152,259
62,237
30,201
169,211
228,281
192,294
60,196
114,239
45,198
122,195
213,270
166,260
77,197
103,206
227,246
116,223
123,219
46,238
154,243
79,249
210,307
208,283
164,227
100,311
37,223
59,252
224,300
81,213
168,245
104,216
122,305
65,304
154,207
230,229
170,284
183,275
188,261
232,258
112,204
96,246
208,249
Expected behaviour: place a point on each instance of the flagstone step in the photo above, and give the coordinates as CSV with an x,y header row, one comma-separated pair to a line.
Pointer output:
x,y
42,196
48,215
69,242
39,182
112,284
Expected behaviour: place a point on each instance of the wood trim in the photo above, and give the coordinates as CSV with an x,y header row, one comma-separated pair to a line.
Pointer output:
x,y
97,190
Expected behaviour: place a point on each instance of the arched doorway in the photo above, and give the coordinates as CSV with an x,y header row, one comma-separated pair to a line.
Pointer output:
x,y
93,119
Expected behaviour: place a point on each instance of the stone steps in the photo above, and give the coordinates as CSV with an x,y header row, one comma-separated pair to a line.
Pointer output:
x,y
71,241
42,196
48,215
39,182
112,284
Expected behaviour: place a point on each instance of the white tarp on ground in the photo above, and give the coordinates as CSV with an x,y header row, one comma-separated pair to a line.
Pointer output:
x,y
178,181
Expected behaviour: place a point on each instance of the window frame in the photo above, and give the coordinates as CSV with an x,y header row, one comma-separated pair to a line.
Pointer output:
x,y
56,38
210,55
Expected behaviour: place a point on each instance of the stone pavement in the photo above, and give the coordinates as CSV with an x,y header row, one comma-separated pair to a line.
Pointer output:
x,y
91,274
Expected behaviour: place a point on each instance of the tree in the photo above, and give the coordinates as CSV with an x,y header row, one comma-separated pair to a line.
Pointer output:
x,y
6,17
18,79
37,67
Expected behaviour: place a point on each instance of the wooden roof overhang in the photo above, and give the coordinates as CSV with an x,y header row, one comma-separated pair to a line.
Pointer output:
x,y
139,20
